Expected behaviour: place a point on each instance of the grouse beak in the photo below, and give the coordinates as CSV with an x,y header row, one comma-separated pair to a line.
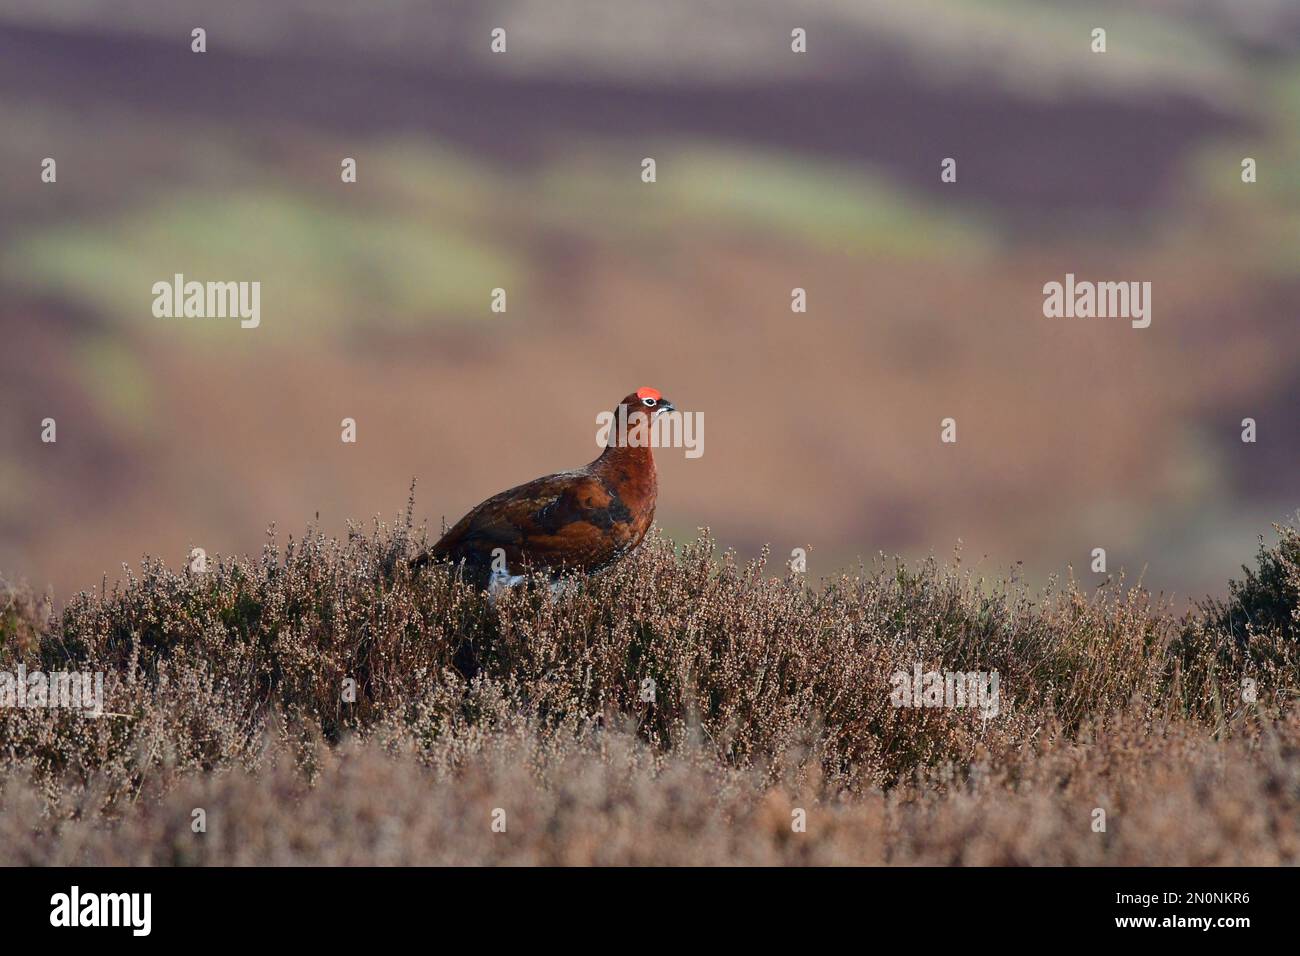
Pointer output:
x,y
664,406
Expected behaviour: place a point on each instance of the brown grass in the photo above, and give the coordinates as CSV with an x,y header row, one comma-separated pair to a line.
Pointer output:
x,y
225,693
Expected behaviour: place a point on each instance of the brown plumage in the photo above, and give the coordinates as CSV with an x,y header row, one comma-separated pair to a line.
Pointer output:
x,y
581,520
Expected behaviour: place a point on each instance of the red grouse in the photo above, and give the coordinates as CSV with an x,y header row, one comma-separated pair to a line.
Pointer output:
x,y
581,520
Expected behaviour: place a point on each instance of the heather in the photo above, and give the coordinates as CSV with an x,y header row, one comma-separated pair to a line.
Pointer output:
x,y
322,703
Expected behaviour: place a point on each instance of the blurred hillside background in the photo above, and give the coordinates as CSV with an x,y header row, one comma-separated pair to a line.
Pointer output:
x,y
775,170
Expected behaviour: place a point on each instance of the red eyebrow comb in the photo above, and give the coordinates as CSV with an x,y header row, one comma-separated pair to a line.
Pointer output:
x,y
648,392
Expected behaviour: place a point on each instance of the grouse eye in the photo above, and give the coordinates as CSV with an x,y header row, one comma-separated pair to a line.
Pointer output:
x,y
648,402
